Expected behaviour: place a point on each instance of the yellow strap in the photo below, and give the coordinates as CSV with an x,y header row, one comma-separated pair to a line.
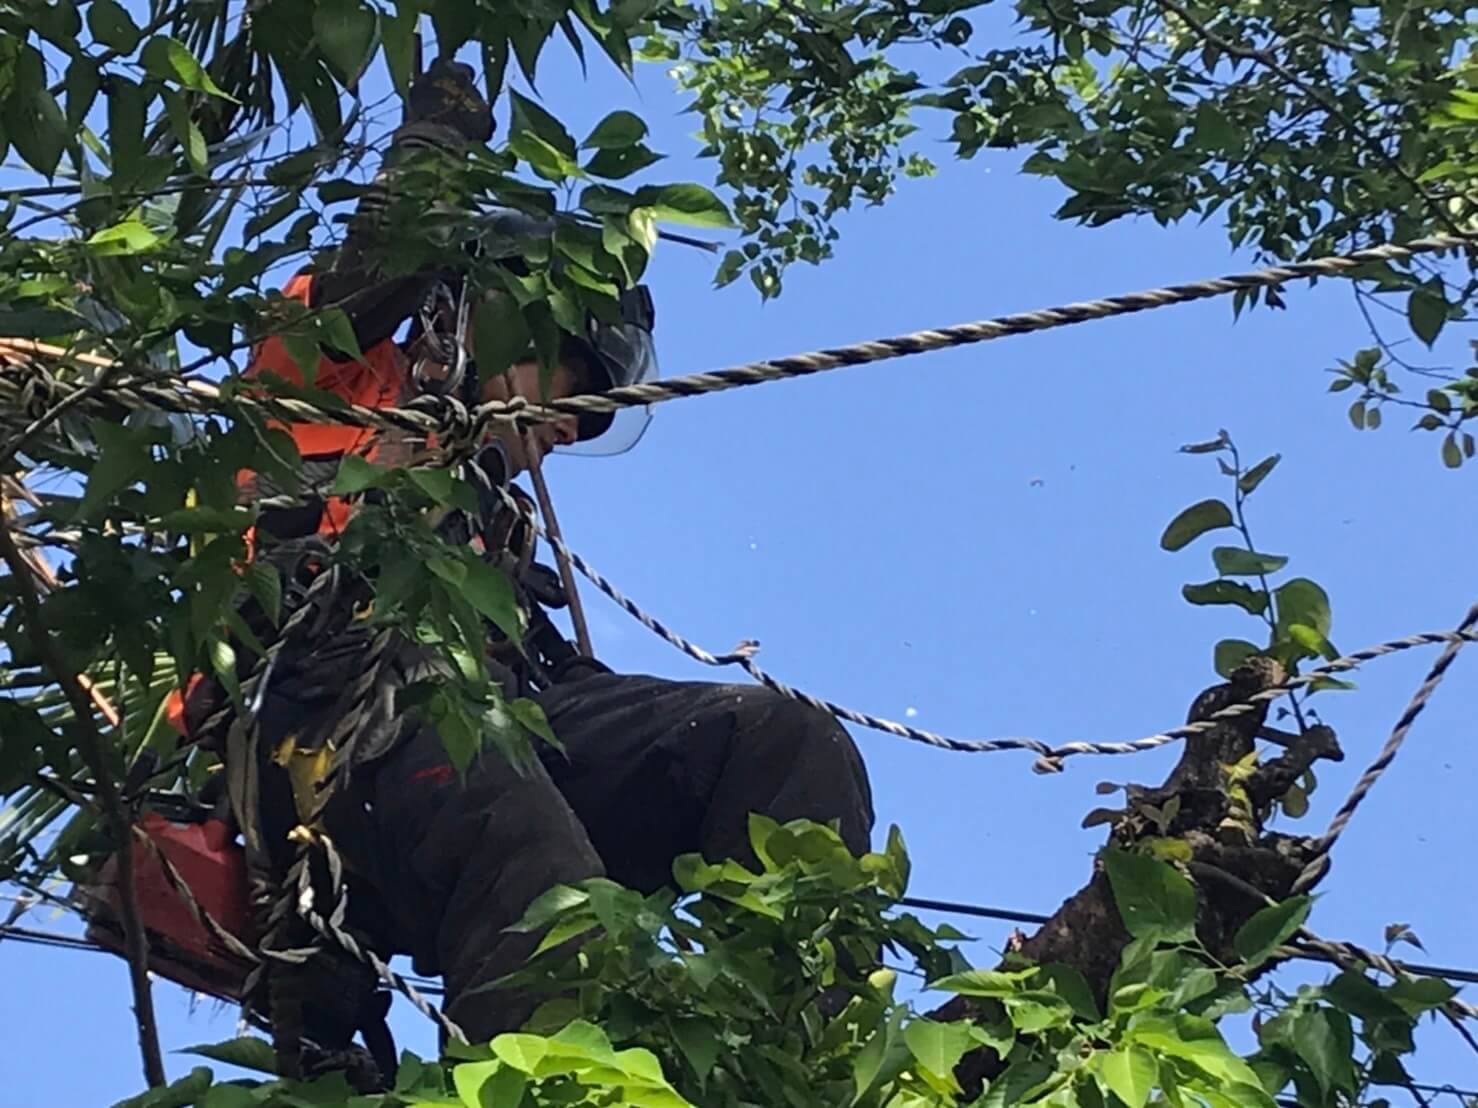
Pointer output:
x,y
306,772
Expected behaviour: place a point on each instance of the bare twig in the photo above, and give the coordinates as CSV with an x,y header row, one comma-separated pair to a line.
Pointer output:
x,y
91,746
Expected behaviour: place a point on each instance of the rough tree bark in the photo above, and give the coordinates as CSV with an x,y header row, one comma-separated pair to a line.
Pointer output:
x,y
1220,820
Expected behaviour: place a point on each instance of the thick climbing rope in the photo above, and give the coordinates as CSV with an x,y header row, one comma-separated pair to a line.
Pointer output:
x,y
28,391
332,928
1050,757
1325,843
298,893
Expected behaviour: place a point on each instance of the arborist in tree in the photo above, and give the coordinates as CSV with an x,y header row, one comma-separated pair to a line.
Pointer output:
x,y
443,863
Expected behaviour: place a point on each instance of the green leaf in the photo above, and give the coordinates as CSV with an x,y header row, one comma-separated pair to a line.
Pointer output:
x,y
1315,644
266,587
336,331
699,1041
1421,994
1196,1039
248,1052
1426,310
613,165
1152,896
992,983
531,717
690,204
1270,928
171,60
1254,601
1294,802
530,118
491,593
185,129
1073,987
1210,446
355,475
36,126
938,1047
1302,601
1258,473
485,1085
1323,1039
1208,515
399,35
1452,455
869,1060
1234,561
1130,1074
345,31
500,336
112,26
123,457
551,905
455,21
616,130
1231,653
82,83
522,1052
127,110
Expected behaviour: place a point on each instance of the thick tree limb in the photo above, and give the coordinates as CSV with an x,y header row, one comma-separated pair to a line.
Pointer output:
x,y
1221,825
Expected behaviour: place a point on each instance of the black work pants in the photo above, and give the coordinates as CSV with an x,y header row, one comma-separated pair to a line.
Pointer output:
x,y
651,769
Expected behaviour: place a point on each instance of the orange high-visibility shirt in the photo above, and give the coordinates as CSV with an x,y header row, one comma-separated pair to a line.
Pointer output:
x,y
379,379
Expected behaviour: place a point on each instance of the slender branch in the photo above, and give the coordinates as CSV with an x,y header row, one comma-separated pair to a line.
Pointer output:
x,y
91,746
36,558
1239,501
166,14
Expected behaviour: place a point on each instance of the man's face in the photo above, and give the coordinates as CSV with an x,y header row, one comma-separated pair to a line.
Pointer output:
x,y
523,380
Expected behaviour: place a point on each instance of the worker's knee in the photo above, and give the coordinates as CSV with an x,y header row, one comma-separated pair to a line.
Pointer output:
x,y
826,777
770,719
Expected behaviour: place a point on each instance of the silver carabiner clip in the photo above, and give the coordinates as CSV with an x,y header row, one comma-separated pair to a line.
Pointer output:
x,y
440,371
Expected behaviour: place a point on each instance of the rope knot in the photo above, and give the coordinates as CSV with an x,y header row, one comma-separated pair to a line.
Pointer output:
x,y
454,423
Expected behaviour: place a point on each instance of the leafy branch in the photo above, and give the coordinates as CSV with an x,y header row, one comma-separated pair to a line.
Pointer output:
x,y
94,749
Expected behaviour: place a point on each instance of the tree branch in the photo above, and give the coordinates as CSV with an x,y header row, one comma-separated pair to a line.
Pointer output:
x,y
1328,103
1220,833
91,746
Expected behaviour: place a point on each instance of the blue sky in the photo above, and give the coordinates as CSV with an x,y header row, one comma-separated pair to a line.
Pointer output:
x,y
969,540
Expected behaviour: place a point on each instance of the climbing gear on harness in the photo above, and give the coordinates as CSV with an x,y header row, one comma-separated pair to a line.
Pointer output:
x,y
439,364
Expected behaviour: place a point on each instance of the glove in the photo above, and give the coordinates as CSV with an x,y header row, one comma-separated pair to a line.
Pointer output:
x,y
446,95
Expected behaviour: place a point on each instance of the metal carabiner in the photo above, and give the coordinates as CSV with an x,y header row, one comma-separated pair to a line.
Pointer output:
x,y
448,352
